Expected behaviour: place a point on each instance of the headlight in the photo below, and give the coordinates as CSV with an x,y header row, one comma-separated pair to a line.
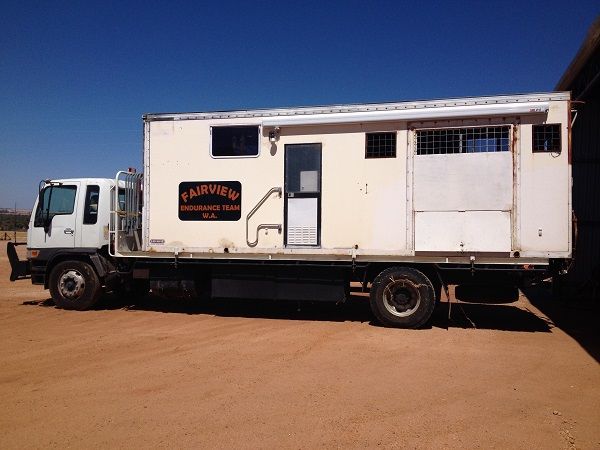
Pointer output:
x,y
32,254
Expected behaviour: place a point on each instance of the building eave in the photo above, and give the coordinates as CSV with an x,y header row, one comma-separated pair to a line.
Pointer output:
x,y
589,45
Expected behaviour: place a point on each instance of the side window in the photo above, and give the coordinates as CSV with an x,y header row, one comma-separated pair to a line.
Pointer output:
x,y
234,142
380,145
546,138
54,200
90,211
447,141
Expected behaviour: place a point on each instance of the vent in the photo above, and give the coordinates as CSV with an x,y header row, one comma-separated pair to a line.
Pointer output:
x,y
302,235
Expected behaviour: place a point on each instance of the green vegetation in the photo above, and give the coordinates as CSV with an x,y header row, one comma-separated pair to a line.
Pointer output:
x,y
7,221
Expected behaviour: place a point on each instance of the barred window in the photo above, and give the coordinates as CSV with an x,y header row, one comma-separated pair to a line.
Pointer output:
x,y
380,145
463,140
546,138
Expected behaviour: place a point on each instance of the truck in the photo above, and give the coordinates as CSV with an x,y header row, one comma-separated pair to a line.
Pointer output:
x,y
296,203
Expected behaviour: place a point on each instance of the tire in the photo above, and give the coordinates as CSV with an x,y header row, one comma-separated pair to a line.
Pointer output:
x,y
74,285
402,297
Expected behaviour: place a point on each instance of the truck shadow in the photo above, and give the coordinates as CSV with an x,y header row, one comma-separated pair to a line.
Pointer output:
x,y
575,316
487,316
355,309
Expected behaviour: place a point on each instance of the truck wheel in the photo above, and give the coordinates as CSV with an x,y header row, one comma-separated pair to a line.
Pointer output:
x,y
402,297
74,285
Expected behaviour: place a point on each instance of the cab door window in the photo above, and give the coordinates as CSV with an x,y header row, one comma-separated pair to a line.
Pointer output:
x,y
54,200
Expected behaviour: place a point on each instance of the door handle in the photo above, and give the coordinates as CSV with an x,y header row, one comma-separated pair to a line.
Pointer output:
x,y
68,231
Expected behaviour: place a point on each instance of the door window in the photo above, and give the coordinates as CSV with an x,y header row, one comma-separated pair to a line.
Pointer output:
x,y
302,169
54,200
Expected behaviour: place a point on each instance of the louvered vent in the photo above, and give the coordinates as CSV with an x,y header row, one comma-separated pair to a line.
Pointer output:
x,y
302,235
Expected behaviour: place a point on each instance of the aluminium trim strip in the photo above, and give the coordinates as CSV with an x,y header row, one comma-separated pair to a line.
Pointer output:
x,y
414,114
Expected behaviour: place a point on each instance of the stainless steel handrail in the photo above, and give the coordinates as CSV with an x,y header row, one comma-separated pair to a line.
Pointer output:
x,y
262,226
127,220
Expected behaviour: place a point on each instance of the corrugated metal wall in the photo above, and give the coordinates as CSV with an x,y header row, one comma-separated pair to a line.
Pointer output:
x,y
585,274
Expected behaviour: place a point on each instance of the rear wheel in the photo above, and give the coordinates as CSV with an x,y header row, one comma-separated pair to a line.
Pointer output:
x,y
74,285
402,297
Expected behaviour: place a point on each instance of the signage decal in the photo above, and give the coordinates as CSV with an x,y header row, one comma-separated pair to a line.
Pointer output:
x,y
210,200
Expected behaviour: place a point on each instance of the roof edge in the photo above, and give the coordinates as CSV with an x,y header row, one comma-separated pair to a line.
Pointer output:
x,y
364,107
590,43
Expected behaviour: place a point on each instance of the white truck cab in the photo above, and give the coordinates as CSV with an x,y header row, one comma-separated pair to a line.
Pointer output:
x,y
67,241
71,213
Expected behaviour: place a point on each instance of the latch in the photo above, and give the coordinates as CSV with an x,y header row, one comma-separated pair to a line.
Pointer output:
x,y
354,257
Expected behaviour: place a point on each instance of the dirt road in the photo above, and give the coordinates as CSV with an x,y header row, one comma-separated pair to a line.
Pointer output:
x,y
234,374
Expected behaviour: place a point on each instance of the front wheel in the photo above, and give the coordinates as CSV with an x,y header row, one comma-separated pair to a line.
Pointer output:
x,y
402,297
74,285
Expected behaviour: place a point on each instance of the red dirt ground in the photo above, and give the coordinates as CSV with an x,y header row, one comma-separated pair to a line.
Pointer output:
x,y
166,373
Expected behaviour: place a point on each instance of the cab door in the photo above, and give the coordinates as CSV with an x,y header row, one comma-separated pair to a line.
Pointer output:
x,y
54,221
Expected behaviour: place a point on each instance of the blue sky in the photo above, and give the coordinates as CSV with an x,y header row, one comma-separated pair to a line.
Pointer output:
x,y
75,77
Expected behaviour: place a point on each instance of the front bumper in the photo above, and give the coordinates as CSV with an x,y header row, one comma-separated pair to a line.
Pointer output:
x,y
20,270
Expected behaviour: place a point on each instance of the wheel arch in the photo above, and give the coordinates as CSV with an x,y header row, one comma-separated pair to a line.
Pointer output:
x,y
89,256
430,270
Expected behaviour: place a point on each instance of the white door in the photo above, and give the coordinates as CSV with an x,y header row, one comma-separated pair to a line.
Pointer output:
x,y
302,194
463,190
54,222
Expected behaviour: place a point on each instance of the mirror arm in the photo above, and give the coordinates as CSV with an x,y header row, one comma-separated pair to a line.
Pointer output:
x,y
47,219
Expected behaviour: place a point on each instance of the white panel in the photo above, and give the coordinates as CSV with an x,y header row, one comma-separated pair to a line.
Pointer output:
x,y
545,222
462,182
302,221
309,181
185,156
477,231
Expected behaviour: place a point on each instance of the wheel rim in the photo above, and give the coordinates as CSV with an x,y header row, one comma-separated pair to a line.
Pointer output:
x,y
71,284
401,298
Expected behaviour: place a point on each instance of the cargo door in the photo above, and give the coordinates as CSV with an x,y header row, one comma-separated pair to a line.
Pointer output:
x,y
463,190
302,194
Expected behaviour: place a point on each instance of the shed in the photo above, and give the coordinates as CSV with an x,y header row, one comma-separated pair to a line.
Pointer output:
x,y
582,78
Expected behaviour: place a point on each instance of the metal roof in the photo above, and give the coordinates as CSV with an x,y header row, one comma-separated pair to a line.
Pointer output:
x,y
585,52
364,107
